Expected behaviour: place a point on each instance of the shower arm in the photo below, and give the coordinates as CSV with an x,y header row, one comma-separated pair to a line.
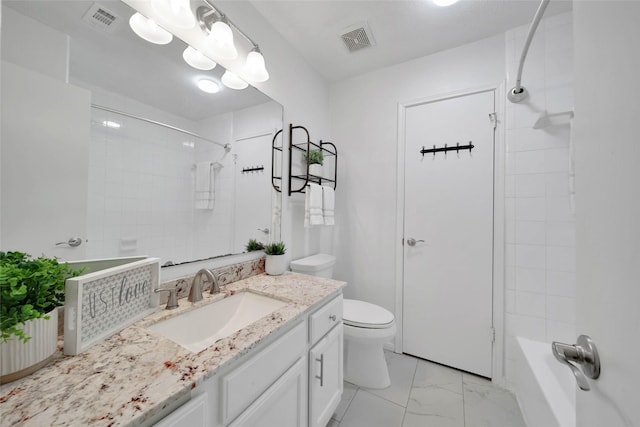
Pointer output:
x,y
519,93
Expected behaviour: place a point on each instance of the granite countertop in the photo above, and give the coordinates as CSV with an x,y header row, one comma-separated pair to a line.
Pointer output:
x,y
134,374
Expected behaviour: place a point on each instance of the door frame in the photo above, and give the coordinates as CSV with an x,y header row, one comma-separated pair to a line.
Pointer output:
x,y
498,312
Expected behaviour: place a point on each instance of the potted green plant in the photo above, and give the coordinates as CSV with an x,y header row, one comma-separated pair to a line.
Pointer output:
x,y
315,160
254,245
276,262
31,289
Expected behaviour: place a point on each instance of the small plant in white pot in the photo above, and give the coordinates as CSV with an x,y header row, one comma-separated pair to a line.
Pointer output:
x,y
31,290
315,159
254,245
276,262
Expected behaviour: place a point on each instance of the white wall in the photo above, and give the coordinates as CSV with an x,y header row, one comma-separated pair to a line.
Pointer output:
x,y
364,114
540,228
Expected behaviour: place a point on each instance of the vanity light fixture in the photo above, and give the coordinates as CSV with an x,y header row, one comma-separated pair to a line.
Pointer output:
x,y
176,12
232,81
254,68
208,85
221,39
197,60
444,3
148,29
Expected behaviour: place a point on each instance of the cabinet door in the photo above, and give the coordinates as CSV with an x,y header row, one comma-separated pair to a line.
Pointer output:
x,y
191,414
325,377
282,405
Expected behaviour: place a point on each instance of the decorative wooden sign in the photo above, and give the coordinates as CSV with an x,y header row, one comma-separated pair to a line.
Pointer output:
x,y
113,294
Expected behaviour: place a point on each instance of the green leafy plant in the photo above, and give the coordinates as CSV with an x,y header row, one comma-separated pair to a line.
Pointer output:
x,y
314,157
254,245
275,249
29,289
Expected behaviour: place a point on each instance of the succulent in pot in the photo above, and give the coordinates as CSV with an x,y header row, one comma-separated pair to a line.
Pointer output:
x,y
315,159
276,262
254,245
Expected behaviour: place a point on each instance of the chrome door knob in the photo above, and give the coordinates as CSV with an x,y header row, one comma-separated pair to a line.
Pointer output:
x,y
73,242
412,242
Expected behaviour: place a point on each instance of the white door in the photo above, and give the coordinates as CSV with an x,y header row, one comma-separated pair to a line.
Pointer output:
x,y
45,164
253,210
448,273
607,185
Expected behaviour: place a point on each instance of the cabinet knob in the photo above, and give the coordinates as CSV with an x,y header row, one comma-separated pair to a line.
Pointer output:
x,y
333,317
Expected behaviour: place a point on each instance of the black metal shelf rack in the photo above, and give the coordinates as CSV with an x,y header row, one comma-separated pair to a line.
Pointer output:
x,y
329,151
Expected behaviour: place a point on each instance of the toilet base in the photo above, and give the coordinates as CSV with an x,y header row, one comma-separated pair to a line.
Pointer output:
x,y
364,361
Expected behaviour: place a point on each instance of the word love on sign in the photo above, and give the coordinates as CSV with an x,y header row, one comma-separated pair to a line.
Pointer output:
x,y
111,295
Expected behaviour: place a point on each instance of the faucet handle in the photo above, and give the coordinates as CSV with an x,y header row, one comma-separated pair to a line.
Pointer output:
x,y
172,302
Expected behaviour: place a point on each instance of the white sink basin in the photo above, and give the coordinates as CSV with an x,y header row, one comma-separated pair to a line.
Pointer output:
x,y
198,329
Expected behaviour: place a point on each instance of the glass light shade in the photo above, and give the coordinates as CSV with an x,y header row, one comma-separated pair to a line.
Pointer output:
x,y
197,60
208,86
149,30
232,81
444,3
254,68
176,12
221,40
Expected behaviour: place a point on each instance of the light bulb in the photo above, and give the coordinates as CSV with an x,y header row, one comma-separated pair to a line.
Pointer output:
x,y
444,3
254,68
197,60
221,40
176,12
232,81
148,29
209,86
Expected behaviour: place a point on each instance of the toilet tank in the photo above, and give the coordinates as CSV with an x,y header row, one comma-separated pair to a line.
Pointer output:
x,y
320,265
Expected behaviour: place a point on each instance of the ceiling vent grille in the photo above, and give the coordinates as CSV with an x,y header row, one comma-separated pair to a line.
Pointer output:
x,y
101,17
357,37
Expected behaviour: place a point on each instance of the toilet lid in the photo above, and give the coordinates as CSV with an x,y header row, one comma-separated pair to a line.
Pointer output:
x,y
365,315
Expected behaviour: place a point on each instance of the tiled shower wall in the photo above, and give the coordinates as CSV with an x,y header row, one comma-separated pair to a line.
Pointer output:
x,y
540,228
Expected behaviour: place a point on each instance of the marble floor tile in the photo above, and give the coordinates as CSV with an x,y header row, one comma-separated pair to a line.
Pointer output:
x,y
430,420
487,405
348,392
402,369
368,410
429,374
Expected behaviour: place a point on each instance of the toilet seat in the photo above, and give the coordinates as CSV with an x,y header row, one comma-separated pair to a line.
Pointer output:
x,y
361,314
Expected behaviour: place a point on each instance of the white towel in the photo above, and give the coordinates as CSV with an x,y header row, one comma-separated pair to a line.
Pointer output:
x,y
328,202
204,194
313,205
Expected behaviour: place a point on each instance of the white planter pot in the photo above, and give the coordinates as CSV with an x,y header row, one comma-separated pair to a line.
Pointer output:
x,y
19,359
275,265
315,169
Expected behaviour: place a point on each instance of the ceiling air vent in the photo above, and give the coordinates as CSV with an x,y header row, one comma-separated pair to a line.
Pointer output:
x,y
357,37
101,17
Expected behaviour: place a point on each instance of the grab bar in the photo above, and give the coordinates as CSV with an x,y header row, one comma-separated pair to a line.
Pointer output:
x,y
585,354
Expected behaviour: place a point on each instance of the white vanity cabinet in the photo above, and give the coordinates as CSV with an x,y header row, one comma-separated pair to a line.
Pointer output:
x,y
325,362
291,380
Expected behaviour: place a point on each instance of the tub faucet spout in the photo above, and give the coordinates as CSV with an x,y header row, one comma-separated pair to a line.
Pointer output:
x,y
585,354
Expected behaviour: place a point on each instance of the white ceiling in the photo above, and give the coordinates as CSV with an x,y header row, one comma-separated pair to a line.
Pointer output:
x,y
402,29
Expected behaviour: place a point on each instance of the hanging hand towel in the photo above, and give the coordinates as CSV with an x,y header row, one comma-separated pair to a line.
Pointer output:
x,y
204,186
328,201
313,205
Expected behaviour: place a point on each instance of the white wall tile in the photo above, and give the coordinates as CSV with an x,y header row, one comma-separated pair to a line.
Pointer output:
x,y
530,162
558,208
557,184
530,209
560,258
530,232
510,301
530,185
561,331
561,233
531,304
556,160
530,256
561,283
531,280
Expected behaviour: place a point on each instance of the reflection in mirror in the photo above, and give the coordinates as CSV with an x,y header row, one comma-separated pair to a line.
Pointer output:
x,y
108,138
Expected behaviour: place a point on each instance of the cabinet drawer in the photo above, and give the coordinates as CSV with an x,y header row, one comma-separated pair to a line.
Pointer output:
x,y
245,383
325,318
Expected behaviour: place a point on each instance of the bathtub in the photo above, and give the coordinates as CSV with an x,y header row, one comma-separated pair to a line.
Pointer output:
x,y
545,389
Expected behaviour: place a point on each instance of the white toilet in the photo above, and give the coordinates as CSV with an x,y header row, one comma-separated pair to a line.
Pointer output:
x,y
366,328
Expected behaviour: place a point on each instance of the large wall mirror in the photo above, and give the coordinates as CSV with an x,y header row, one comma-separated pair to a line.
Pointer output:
x,y
108,141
